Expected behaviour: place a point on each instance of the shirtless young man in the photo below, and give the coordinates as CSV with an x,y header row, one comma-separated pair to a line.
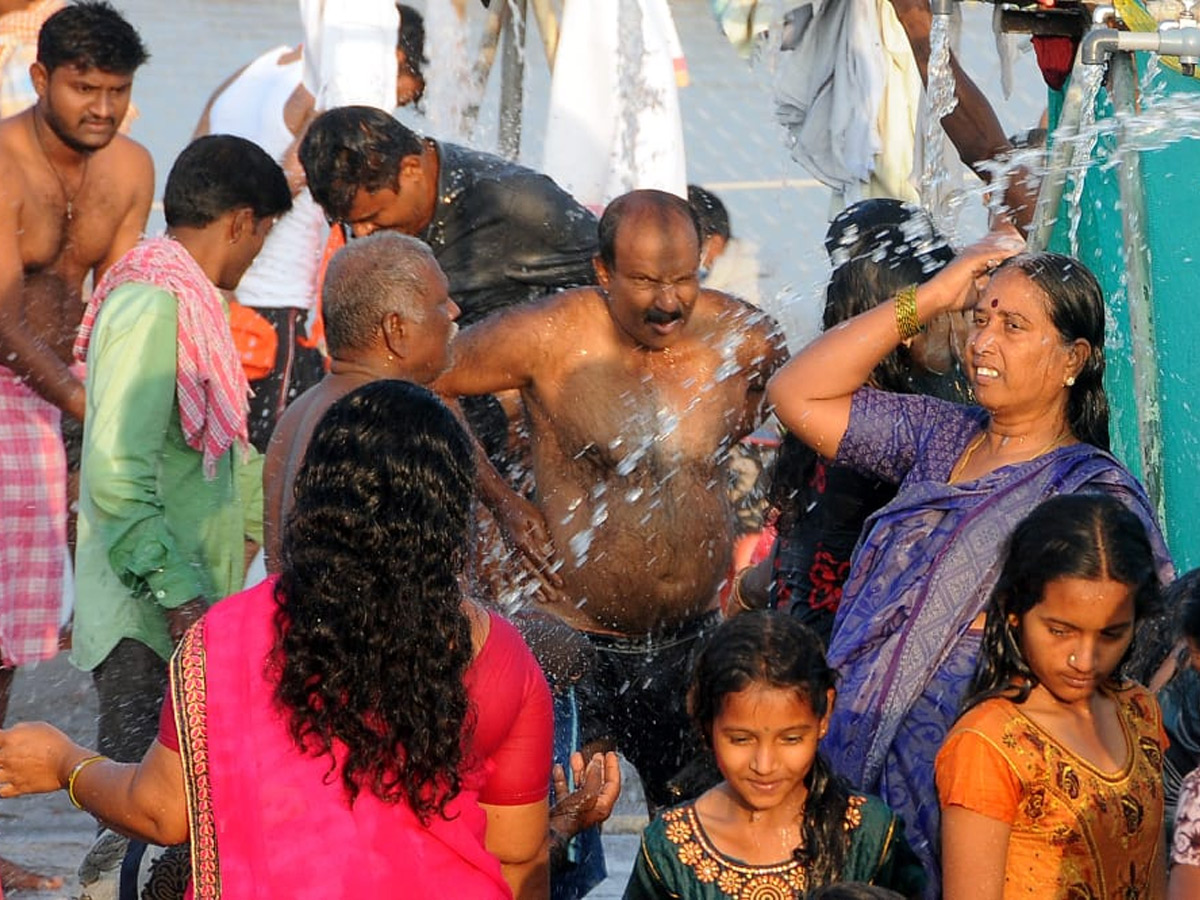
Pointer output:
x,y
635,391
74,196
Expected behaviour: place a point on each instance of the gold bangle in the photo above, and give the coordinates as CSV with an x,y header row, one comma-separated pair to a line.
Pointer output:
x,y
79,767
737,590
907,323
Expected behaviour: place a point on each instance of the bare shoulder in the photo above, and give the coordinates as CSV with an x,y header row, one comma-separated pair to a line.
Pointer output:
x,y
547,321
15,148
761,342
130,162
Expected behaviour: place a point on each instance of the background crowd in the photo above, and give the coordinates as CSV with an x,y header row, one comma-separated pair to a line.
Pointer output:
x,y
356,589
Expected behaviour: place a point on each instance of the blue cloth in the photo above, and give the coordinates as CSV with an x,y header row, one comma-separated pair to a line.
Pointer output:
x,y
921,575
585,866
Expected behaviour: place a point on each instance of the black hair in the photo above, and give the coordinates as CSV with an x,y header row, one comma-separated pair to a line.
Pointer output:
x,y
411,39
887,258
1089,536
371,639
351,148
1075,303
775,649
218,173
90,34
850,232
1183,594
659,202
710,212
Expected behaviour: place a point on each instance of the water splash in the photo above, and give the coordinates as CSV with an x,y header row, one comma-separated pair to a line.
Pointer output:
x,y
935,179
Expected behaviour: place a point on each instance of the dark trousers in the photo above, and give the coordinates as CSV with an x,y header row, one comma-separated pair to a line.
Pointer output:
x,y
130,683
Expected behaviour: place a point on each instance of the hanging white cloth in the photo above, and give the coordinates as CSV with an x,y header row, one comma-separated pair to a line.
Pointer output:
x,y
614,122
350,52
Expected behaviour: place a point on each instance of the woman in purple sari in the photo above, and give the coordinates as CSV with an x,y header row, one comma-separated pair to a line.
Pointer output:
x,y
906,635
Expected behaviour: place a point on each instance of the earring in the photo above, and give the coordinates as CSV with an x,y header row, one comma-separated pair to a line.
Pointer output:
x,y
1070,382
1013,621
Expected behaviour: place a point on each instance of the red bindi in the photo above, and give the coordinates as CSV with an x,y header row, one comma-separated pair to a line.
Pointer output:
x,y
995,302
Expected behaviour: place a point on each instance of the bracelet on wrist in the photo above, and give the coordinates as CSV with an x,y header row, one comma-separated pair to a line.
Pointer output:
x,y
75,773
738,597
908,325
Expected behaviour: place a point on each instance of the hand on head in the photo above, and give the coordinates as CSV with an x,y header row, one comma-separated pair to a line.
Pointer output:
x,y
959,281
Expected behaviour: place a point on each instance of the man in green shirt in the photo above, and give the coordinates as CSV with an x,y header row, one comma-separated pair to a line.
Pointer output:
x,y
170,489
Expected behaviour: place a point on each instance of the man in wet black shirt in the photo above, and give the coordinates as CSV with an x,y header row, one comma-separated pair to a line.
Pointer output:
x,y
503,234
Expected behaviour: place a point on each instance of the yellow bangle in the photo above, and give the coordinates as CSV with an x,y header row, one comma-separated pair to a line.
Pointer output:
x,y
79,767
737,590
907,323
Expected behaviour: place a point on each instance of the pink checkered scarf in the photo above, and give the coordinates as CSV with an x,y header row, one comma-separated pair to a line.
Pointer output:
x,y
210,385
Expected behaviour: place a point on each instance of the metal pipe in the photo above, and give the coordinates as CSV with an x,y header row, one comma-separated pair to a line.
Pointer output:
x,y
1100,43
941,7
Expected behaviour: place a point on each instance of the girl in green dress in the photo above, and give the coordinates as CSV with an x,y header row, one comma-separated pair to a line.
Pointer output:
x,y
780,824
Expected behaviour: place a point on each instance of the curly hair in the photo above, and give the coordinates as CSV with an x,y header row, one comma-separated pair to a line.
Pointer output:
x,y
777,650
371,639
91,34
1069,536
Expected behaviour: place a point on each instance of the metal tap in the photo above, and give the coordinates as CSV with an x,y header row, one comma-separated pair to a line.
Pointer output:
x,y
1176,39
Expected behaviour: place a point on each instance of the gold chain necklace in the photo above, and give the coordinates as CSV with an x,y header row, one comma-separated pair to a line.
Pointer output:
x,y
69,198
975,444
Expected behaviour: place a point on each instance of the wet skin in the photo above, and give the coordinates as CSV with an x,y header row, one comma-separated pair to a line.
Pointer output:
x,y
73,155
633,393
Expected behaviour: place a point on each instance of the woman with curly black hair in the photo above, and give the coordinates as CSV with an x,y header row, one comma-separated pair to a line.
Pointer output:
x,y
357,727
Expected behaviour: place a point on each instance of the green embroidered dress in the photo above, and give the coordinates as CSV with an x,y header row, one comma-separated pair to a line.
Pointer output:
x,y
677,859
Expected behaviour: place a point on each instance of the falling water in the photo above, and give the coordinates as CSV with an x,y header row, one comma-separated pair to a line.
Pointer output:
x,y
935,180
1087,137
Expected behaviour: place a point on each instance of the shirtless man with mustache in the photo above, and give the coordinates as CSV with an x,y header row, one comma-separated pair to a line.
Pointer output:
x,y
634,392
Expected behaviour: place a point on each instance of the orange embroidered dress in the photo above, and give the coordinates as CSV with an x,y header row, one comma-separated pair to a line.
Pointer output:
x,y
1077,833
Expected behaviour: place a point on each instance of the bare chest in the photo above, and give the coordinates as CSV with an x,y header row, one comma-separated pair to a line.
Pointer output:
x,y
628,418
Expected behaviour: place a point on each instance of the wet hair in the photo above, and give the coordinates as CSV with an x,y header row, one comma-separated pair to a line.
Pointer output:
x,y
218,173
776,650
851,232
369,278
659,203
710,212
411,39
351,148
1089,536
887,257
90,34
1183,594
371,639
1076,307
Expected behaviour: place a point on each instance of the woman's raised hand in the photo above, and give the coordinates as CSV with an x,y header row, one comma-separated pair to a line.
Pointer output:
x,y
955,286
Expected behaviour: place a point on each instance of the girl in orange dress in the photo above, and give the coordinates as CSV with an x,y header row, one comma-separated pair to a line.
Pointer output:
x,y
1051,781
